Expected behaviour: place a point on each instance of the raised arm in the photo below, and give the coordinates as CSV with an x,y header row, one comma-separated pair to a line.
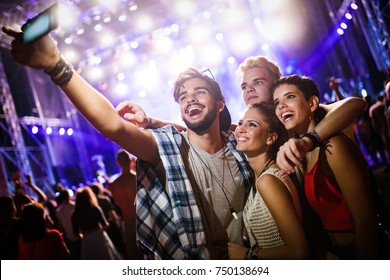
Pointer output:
x,y
339,115
41,195
334,85
44,54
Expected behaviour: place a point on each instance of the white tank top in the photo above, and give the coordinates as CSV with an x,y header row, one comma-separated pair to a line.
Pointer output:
x,y
259,223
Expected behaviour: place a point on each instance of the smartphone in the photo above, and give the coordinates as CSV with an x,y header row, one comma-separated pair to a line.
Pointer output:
x,y
40,25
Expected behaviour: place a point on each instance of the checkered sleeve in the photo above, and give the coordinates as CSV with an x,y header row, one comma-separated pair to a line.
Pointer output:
x,y
168,220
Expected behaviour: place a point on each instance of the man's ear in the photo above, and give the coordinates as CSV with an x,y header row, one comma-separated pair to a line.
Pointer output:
x,y
272,137
314,102
221,106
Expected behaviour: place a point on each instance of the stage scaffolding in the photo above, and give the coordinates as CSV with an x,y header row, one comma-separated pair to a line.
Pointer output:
x,y
32,154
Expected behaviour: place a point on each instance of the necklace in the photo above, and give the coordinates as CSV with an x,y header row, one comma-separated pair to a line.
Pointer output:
x,y
216,179
266,166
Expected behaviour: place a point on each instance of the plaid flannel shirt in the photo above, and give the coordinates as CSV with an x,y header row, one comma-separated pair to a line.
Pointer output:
x,y
169,224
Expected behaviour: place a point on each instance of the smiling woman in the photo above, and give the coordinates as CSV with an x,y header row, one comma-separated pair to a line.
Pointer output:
x,y
342,199
272,213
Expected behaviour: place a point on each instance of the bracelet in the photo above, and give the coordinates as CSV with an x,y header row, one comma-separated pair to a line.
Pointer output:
x,y
314,138
253,252
62,68
58,68
65,76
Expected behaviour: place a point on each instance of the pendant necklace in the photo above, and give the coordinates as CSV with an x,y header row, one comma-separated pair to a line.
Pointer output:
x,y
266,166
219,183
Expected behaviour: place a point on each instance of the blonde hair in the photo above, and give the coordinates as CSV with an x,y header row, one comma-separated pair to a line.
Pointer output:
x,y
260,62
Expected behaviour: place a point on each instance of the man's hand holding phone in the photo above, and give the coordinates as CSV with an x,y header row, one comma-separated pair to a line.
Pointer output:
x,y
42,53
40,25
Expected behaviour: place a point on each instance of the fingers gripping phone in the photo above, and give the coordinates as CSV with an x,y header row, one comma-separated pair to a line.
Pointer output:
x,y
40,25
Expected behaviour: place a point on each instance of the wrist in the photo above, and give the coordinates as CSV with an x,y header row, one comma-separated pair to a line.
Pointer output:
x,y
314,138
57,68
148,123
61,72
253,252
51,63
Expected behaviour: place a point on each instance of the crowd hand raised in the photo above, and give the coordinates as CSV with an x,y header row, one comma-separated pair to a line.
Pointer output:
x,y
333,84
133,113
42,54
291,154
28,180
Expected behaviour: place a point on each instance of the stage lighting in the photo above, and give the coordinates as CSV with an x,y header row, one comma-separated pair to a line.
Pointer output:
x,y
120,76
69,131
34,129
49,130
133,8
71,55
134,44
206,14
121,89
107,39
184,8
142,93
67,16
354,6
98,27
144,23
68,40
175,27
231,60
127,59
348,16
95,73
61,131
163,45
95,60
211,54
107,19
343,25
219,36
80,31
340,31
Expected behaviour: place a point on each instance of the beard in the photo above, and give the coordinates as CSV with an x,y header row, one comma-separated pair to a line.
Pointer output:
x,y
202,125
